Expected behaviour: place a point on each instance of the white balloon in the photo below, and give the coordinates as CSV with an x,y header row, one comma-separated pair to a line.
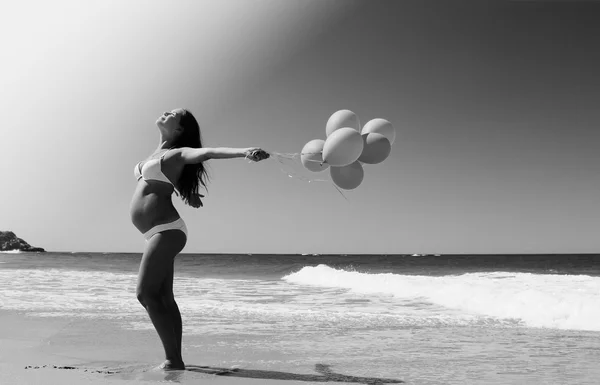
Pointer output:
x,y
312,155
348,177
342,147
342,118
376,149
380,126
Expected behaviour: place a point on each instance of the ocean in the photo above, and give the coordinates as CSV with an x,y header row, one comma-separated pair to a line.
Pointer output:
x,y
443,319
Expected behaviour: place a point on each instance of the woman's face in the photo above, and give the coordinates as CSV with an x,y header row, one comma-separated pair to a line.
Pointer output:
x,y
168,122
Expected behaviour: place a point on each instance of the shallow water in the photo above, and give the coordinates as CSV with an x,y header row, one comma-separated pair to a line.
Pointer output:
x,y
374,318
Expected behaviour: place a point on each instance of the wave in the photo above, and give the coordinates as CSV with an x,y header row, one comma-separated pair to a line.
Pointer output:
x,y
537,300
317,297
213,305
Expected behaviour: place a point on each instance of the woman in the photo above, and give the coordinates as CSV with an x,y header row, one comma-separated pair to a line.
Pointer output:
x,y
176,165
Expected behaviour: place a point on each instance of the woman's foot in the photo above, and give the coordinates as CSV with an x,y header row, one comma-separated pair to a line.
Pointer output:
x,y
172,365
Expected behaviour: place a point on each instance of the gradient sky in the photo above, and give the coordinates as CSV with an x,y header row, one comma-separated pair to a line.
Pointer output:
x,y
495,105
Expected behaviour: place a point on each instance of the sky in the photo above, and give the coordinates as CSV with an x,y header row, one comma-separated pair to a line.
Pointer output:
x,y
495,107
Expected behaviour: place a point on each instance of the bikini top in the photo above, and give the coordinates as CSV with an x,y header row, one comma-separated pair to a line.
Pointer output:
x,y
151,170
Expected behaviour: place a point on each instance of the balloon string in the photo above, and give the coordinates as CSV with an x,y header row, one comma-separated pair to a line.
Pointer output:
x,y
291,173
295,157
340,191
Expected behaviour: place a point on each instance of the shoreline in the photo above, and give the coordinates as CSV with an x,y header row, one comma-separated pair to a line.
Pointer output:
x,y
52,350
597,254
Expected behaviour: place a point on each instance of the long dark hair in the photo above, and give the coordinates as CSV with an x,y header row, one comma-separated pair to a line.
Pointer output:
x,y
193,174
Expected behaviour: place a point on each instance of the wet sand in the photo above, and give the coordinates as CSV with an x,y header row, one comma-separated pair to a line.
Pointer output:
x,y
50,351
36,350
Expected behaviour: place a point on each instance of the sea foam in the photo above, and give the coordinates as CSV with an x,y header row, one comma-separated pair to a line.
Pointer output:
x,y
317,297
549,301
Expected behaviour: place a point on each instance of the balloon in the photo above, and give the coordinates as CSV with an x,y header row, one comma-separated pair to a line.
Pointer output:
x,y
348,177
312,155
342,118
342,147
380,126
376,149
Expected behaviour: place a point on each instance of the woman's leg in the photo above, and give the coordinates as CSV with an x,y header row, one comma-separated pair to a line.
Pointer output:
x,y
173,309
156,269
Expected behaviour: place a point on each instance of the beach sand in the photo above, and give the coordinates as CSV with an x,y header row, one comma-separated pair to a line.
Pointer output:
x,y
50,350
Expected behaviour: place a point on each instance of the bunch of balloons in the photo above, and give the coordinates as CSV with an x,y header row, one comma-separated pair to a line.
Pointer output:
x,y
347,147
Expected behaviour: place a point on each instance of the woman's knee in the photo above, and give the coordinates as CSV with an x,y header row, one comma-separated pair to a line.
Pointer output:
x,y
168,300
147,297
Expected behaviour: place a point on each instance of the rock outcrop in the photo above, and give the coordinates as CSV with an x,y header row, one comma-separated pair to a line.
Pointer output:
x,y
9,241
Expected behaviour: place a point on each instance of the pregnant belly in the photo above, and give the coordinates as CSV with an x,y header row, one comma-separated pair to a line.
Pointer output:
x,y
149,210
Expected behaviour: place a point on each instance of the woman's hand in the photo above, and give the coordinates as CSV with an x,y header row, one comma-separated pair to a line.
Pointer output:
x,y
196,201
256,154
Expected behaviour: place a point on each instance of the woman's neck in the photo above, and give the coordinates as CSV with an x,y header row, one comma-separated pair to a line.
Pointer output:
x,y
164,144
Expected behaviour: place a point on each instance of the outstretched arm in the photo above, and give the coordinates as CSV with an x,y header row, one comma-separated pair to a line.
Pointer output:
x,y
197,155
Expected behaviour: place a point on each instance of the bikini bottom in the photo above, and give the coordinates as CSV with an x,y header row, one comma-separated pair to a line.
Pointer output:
x,y
178,224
